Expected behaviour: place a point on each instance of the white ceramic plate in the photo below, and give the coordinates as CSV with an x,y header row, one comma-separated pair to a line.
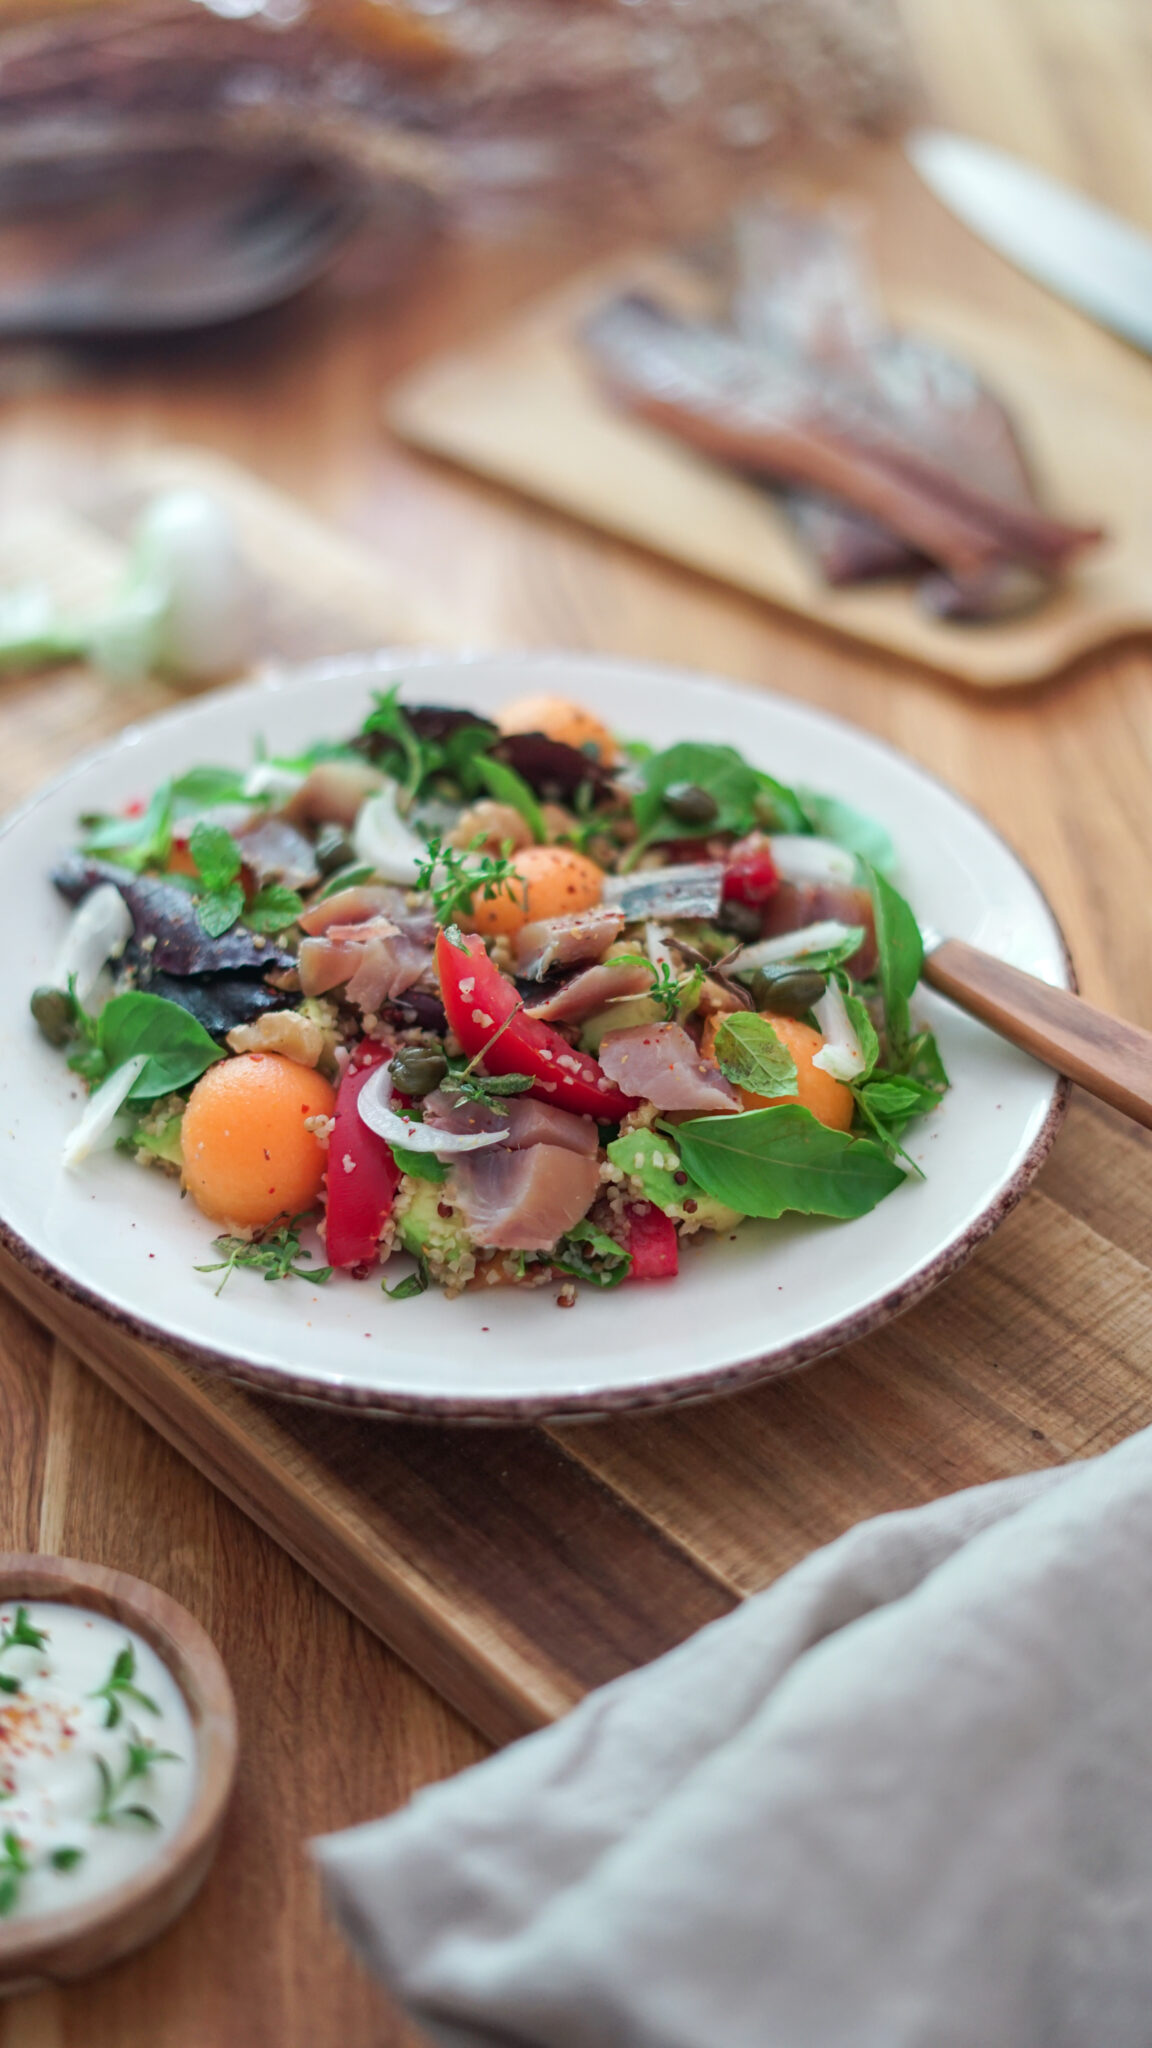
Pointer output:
x,y
766,1301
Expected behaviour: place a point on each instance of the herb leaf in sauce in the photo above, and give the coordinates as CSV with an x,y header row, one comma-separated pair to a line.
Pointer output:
x,y
120,1686
21,1636
14,1868
138,1761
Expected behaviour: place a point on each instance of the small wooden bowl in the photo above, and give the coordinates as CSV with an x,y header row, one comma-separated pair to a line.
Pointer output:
x,y
56,1947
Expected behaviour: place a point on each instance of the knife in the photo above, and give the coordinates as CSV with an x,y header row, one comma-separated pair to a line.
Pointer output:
x,y
1080,250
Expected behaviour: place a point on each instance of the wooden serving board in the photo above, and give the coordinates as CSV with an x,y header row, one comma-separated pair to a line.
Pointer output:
x,y
524,407
517,1568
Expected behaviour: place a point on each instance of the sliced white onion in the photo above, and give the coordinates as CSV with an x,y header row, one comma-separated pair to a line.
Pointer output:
x,y
266,779
98,932
381,837
374,1103
101,1110
656,945
799,857
812,938
842,1054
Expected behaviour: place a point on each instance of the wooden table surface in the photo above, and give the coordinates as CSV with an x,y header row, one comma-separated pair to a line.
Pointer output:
x,y
334,1728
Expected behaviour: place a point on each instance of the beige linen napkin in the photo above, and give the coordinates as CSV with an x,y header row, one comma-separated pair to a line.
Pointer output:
x,y
901,1800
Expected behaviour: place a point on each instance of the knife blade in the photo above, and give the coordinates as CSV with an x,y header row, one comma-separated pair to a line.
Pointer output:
x,y
1078,249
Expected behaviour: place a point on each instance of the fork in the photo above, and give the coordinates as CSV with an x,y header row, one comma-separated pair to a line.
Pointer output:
x,y
1108,1057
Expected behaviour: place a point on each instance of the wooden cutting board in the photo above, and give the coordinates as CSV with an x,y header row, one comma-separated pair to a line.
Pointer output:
x,y
524,408
517,1568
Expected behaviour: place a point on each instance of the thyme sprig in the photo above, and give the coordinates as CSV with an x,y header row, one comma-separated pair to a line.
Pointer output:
x,y
454,878
278,1255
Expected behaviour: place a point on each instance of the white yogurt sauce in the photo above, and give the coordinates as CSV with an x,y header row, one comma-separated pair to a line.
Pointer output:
x,y
68,1780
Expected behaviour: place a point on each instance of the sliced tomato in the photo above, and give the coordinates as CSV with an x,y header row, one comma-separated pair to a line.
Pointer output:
x,y
477,999
362,1175
652,1242
750,875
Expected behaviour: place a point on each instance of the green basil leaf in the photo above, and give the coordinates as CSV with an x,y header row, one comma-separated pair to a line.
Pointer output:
x,y
778,808
407,1289
218,858
767,1161
273,907
507,787
421,1165
588,1253
218,909
136,843
750,1055
862,1025
922,1062
901,956
850,828
896,1099
726,776
651,1161
204,788
178,1048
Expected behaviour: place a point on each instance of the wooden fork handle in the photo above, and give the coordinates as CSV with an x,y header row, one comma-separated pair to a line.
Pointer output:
x,y
1109,1058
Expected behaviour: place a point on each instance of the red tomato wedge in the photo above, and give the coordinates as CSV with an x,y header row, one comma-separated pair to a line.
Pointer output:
x,y
750,875
652,1242
478,999
362,1175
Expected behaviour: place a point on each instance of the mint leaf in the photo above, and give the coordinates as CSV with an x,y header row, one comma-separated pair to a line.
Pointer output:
x,y
893,1100
767,1161
749,1053
179,1049
218,858
218,909
507,787
273,907
901,956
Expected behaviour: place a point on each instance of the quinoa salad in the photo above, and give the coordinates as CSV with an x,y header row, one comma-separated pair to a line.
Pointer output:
x,y
464,1002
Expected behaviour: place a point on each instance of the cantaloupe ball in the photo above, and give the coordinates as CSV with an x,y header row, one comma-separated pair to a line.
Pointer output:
x,y
829,1100
560,719
549,881
248,1154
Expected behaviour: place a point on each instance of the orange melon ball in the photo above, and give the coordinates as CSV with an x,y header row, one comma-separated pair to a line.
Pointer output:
x,y
549,881
829,1100
560,719
248,1154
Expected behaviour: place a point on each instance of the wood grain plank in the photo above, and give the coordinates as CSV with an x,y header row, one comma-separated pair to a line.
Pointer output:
x,y
494,1563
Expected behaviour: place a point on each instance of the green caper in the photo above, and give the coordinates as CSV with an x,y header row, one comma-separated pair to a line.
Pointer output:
x,y
689,804
740,919
418,1069
334,849
787,991
52,1010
